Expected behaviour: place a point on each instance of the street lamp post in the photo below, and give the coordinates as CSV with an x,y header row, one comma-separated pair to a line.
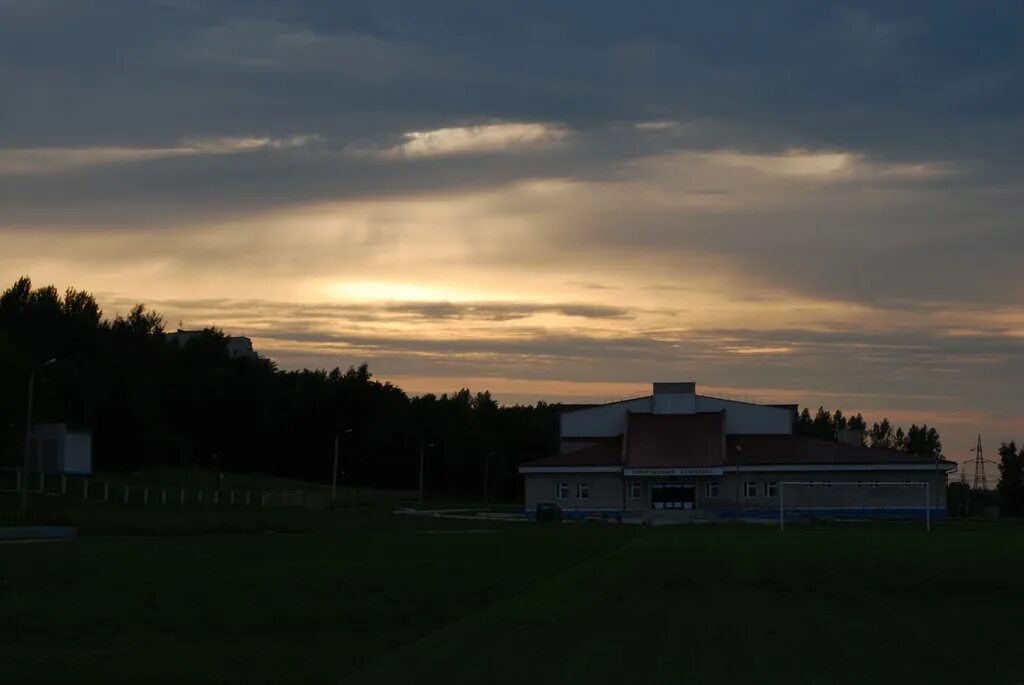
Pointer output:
x,y
334,477
423,447
26,464
739,452
487,465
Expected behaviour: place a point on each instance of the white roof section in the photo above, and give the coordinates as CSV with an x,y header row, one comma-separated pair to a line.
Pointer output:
x,y
742,418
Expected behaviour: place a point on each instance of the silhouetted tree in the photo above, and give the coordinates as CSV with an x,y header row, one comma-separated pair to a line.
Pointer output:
x,y
152,403
1011,478
881,436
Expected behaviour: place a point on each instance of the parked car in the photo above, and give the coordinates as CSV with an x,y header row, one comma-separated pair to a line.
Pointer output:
x,y
548,512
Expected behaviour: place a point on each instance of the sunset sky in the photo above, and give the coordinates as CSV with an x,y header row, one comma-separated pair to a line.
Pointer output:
x,y
800,202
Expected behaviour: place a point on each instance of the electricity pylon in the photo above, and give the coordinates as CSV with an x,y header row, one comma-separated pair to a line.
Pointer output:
x,y
979,467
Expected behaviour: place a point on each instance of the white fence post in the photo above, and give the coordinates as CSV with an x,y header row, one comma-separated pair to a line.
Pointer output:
x,y
247,498
42,482
200,499
163,496
126,494
216,497
145,495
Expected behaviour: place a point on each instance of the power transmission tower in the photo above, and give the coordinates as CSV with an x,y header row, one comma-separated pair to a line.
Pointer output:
x,y
979,467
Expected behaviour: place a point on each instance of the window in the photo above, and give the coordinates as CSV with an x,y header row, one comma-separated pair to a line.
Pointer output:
x,y
771,489
561,490
582,490
711,489
750,489
635,490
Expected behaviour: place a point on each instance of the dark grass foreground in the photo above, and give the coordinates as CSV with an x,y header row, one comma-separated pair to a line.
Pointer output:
x,y
401,602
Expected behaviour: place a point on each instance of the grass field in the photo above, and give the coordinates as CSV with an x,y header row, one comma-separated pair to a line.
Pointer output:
x,y
416,600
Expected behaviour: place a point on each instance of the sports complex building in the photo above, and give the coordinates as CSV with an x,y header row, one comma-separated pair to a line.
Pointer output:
x,y
675,454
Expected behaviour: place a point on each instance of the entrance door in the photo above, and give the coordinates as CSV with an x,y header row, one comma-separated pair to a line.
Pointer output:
x,y
672,495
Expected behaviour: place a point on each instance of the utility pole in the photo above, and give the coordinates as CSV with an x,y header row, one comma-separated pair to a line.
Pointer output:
x,y
965,493
28,435
487,463
334,477
23,479
739,451
422,448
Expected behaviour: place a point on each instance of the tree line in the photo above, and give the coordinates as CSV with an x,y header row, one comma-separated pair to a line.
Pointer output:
x,y
153,404
827,425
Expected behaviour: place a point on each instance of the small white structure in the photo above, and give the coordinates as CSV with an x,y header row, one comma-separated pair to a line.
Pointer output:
x,y
55,449
238,346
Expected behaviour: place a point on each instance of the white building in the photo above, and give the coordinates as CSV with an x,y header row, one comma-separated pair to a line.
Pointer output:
x,y
55,449
237,345
676,449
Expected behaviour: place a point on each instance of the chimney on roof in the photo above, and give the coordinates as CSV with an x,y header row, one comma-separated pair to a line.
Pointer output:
x,y
851,437
674,398
688,388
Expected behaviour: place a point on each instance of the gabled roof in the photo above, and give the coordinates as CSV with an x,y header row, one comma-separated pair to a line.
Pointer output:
x,y
675,440
797,449
606,452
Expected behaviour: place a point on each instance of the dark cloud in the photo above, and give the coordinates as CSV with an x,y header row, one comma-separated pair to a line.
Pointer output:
x,y
880,76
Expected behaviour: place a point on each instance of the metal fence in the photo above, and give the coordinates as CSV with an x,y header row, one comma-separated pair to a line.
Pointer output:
x,y
91,490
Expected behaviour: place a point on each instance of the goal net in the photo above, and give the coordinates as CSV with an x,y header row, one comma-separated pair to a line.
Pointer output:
x,y
796,488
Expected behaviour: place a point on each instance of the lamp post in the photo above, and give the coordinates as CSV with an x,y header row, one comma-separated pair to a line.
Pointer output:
x,y
28,434
487,465
739,452
334,477
423,447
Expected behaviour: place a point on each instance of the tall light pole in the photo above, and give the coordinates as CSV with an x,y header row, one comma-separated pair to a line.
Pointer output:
x,y
23,485
334,478
487,464
739,451
423,447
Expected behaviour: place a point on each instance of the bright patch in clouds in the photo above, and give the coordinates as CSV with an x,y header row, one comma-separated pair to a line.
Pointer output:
x,y
42,160
382,291
465,140
826,165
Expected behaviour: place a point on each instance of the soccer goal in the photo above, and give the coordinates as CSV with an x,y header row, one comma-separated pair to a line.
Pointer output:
x,y
917,484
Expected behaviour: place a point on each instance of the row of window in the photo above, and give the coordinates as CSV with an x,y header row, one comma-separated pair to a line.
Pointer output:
x,y
712,489
752,489
562,490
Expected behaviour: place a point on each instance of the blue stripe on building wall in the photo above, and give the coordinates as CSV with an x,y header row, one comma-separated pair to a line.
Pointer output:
x,y
836,514
832,514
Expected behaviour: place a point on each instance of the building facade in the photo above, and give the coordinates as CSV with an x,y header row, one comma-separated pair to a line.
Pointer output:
x,y
237,346
55,449
676,453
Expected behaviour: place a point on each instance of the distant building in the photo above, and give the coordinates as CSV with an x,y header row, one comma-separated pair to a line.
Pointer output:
x,y
55,449
237,345
677,450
